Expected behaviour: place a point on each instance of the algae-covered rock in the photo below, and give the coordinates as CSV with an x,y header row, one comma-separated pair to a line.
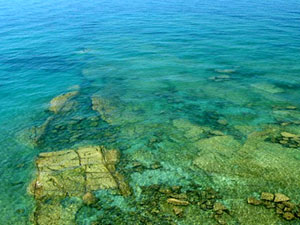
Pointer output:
x,y
104,108
281,198
219,207
178,211
89,198
32,137
288,135
175,201
288,216
255,159
60,101
287,210
286,115
267,196
216,152
191,131
53,212
240,169
253,201
73,173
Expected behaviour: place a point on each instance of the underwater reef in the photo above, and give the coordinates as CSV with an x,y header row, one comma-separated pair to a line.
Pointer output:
x,y
184,172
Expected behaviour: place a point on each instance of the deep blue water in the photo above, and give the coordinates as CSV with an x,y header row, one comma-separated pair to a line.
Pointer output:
x,y
157,62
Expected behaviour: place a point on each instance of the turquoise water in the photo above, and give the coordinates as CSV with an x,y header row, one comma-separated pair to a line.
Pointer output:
x,y
175,74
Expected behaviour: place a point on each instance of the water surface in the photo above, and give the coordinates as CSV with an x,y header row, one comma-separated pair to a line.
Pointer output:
x,y
190,84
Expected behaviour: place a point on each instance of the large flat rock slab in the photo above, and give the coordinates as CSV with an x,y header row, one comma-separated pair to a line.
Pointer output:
x,y
72,173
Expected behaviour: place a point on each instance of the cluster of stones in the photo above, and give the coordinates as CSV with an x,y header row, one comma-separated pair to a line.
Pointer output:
x,y
206,200
280,202
289,140
73,173
159,204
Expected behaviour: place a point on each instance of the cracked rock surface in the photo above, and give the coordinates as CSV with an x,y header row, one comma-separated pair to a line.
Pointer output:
x,y
72,173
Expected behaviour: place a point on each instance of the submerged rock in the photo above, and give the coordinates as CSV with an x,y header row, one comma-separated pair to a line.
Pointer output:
x,y
291,116
222,122
265,87
191,131
288,140
281,198
104,108
253,201
89,198
284,208
217,133
175,201
215,152
288,135
219,207
54,213
291,107
225,70
74,87
178,211
152,207
267,196
243,167
60,101
220,78
288,216
34,136
73,173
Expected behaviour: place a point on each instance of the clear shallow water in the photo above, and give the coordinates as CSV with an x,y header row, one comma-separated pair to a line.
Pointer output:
x,y
155,63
